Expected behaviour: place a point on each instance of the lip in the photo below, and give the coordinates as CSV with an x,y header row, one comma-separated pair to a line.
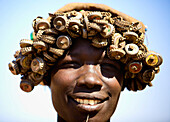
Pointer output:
x,y
88,108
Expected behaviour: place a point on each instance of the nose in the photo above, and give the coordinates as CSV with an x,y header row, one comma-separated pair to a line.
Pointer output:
x,y
89,77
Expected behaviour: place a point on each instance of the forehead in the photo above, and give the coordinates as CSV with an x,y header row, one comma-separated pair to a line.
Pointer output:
x,y
83,49
84,46
84,52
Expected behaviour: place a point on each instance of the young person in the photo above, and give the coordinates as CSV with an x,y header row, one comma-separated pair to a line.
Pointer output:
x,y
87,54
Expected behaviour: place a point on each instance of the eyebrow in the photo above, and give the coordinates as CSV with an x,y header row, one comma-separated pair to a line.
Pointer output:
x,y
72,56
67,57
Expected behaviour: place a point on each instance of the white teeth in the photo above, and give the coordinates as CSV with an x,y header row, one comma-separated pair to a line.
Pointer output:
x,y
81,101
87,101
78,100
95,102
91,102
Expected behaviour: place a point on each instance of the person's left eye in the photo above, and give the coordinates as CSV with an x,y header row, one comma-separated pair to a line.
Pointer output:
x,y
70,64
109,67
109,70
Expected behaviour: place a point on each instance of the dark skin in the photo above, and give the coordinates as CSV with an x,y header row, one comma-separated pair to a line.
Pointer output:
x,y
86,82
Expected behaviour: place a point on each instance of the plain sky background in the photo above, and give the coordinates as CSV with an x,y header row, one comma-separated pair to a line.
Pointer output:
x,y
149,105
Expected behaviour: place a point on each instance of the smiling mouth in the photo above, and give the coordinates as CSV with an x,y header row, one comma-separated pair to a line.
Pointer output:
x,y
87,101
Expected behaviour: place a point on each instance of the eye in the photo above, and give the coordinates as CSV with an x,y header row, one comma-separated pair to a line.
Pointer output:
x,y
109,67
110,70
70,64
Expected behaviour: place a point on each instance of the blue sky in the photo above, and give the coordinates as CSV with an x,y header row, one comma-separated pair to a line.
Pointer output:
x,y
151,104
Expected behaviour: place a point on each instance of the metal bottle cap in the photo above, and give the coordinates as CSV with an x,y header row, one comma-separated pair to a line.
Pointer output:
x,y
25,43
42,24
108,30
135,67
13,67
26,85
116,53
130,36
60,23
63,42
38,65
131,49
37,78
25,62
95,15
148,75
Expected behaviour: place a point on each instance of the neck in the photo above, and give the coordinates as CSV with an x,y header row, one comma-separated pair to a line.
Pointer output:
x,y
62,120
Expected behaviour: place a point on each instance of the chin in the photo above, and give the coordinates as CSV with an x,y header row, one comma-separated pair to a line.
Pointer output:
x,y
82,109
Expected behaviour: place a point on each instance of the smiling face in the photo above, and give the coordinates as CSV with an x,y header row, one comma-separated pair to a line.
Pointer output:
x,y
86,82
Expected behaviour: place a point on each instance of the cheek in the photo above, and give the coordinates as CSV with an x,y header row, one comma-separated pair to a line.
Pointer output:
x,y
112,77
113,86
117,83
114,83
115,90
62,79
62,82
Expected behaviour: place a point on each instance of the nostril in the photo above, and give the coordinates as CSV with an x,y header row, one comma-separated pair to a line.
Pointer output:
x,y
90,85
86,86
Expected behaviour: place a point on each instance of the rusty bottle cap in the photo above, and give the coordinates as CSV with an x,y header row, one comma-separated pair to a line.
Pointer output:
x,y
116,53
148,75
160,59
25,43
42,24
38,65
100,21
37,78
26,85
25,62
94,15
40,46
135,67
74,25
48,57
58,52
13,67
63,42
130,36
116,38
60,23
77,15
26,50
108,30
99,42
